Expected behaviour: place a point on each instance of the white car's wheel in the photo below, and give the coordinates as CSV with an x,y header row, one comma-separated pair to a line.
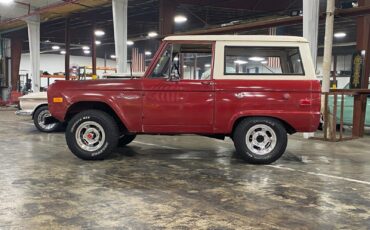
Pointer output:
x,y
39,120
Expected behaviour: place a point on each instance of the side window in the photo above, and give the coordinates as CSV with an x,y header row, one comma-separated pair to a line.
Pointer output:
x,y
263,61
185,61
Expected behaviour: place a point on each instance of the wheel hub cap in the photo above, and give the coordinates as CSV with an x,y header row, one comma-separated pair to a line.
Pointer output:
x,y
261,139
90,136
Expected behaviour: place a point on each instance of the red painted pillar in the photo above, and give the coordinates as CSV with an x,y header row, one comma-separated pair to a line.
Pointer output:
x,y
359,109
16,52
167,11
68,51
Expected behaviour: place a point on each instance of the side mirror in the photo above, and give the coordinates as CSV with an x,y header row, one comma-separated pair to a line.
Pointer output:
x,y
173,77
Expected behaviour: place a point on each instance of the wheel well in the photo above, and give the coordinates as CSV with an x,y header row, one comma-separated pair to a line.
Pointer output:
x,y
87,105
39,106
287,126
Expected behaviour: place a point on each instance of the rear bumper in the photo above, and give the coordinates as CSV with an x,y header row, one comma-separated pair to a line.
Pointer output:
x,y
24,113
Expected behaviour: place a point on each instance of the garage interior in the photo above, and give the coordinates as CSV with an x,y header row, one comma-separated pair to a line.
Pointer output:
x,y
187,181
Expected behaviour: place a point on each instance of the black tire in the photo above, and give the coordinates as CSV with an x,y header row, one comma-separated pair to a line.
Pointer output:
x,y
260,129
126,139
101,125
38,118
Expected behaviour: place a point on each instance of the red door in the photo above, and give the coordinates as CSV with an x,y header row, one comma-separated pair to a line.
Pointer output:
x,y
181,106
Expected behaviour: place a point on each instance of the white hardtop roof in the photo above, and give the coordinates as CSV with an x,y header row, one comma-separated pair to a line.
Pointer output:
x,y
265,38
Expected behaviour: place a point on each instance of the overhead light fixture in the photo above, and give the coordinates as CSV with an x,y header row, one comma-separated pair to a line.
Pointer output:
x,y
264,62
152,34
175,58
130,43
240,62
99,33
207,65
85,48
148,53
6,2
63,52
256,59
87,51
97,42
363,52
55,47
47,40
113,56
180,19
340,35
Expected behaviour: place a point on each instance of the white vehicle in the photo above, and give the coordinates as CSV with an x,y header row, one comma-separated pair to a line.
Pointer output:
x,y
35,105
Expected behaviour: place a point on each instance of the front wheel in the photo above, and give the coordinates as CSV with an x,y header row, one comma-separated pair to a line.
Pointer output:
x,y
92,135
260,140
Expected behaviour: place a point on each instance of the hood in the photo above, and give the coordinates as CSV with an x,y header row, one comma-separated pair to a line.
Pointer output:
x,y
40,95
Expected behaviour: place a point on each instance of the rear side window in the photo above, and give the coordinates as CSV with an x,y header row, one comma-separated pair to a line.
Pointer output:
x,y
262,61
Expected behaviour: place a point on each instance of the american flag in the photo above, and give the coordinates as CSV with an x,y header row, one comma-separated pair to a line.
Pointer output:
x,y
273,62
137,61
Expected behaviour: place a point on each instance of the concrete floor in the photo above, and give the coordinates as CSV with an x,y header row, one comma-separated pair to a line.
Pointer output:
x,y
186,182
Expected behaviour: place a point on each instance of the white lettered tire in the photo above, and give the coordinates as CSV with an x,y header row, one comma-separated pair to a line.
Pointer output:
x,y
92,135
260,140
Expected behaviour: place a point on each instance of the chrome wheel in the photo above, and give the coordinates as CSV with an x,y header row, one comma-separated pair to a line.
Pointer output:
x,y
90,136
261,139
41,120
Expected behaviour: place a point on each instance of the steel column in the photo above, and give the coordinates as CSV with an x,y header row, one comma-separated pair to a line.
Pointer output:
x,y
119,8
33,24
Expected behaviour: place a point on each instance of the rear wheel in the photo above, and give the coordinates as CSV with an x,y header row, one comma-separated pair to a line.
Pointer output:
x,y
39,120
260,140
92,135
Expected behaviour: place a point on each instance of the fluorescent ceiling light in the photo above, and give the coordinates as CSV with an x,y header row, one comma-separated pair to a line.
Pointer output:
x,y
130,43
263,62
85,47
180,19
55,47
176,59
87,52
99,33
6,2
240,62
340,35
97,42
207,65
113,56
152,34
148,53
256,59
63,52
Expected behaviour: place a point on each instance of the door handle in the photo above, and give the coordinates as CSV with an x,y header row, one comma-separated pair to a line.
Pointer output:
x,y
207,83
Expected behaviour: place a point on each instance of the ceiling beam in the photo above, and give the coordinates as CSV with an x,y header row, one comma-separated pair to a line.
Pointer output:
x,y
283,21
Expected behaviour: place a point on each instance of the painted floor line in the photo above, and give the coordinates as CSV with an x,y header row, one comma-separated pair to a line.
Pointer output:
x,y
149,144
320,174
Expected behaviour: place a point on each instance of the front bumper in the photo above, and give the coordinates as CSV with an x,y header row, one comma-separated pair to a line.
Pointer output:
x,y
24,113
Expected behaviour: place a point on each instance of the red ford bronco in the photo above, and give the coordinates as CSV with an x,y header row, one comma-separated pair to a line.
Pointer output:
x,y
254,89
